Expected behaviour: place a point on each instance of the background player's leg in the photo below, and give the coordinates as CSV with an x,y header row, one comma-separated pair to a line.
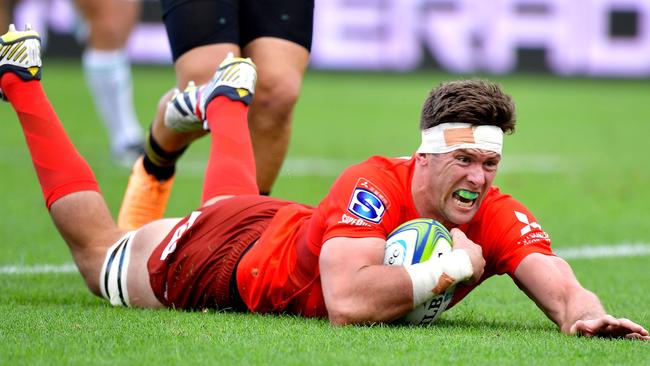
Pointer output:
x,y
197,65
281,65
108,72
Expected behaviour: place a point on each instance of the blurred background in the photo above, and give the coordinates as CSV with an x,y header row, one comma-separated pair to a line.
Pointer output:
x,y
578,37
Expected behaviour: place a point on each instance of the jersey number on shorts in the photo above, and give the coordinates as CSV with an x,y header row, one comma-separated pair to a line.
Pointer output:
x,y
171,247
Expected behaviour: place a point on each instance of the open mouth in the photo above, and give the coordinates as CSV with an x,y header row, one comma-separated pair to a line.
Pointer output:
x,y
465,198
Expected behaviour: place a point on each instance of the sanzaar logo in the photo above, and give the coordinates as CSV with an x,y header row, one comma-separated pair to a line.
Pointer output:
x,y
366,205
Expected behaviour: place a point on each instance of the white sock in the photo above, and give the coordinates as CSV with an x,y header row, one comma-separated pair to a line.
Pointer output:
x,y
108,74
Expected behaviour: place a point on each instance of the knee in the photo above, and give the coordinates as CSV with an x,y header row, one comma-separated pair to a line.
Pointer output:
x,y
110,23
275,98
107,34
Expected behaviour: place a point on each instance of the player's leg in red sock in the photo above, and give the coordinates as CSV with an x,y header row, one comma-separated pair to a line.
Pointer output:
x,y
69,187
231,164
59,167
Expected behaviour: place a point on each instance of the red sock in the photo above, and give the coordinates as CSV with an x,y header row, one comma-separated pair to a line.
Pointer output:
x,y
231,165
59,167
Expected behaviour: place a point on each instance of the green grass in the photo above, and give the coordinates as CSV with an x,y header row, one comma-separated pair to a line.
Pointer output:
x,y
578,160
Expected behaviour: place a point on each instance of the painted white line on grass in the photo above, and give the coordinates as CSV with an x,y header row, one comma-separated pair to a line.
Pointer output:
x,y
584,252
323,167
604,251
38,269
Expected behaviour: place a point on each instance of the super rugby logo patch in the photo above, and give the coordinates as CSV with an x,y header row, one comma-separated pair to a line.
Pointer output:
x,y
367,202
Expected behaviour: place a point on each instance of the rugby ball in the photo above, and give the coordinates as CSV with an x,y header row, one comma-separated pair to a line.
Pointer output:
x,y
413,242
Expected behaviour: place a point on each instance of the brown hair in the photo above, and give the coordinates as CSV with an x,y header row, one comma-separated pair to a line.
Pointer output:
x,y
478,102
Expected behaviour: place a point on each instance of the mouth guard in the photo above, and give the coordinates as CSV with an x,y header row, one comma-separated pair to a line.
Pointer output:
x,y
467,194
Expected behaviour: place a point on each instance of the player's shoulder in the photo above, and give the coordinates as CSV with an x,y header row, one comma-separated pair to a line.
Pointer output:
x,y
378,185
496,198
390,173
503,215
384,166
497,204
390,162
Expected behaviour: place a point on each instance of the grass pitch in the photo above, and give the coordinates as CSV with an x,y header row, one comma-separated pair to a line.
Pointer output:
x,y
578,160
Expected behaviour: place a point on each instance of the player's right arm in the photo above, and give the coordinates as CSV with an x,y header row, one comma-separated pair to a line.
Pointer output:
x,y
359,289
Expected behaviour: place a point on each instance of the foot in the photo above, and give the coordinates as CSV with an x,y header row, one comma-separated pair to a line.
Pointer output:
x,y
20,53
235,79
145,198
182,113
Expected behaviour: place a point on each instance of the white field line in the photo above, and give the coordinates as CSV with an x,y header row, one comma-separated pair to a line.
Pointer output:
x,y
304,166
605,251
585,252
38,269
323,167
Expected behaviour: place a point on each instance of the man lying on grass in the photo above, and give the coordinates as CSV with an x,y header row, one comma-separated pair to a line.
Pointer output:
x,y
247,252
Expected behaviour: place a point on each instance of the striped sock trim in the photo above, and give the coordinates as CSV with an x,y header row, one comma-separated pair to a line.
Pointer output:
x,y
113,277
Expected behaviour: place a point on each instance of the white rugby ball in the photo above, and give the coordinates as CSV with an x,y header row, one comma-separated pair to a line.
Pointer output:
x,y
413,242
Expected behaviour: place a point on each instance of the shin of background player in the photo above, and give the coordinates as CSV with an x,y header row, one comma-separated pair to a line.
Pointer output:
x,y
277,35
108,73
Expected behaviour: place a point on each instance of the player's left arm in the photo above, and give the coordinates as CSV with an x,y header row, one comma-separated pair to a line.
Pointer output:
x,y
550,282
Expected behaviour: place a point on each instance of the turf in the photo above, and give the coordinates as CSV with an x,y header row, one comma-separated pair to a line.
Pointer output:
x,y
578,160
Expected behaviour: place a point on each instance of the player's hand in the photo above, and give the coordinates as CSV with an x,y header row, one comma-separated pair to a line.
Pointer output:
x,y
475,252
608,326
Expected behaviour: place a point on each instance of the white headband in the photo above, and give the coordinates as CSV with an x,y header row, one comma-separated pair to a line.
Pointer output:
x,y
447,137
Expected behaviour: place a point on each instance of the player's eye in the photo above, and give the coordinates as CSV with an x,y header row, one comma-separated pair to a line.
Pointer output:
x,y
491,165
464,159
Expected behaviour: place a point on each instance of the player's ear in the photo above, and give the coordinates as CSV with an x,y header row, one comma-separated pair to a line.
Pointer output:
x,y
421,159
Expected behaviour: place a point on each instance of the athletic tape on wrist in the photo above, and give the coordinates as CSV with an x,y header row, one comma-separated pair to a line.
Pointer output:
x,y
436,275
451,136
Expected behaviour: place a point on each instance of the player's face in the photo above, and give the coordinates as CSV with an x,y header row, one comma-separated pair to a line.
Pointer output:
x,y
450,187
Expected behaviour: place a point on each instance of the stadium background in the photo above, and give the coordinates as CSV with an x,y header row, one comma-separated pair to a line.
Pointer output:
x,y
579,160
584,37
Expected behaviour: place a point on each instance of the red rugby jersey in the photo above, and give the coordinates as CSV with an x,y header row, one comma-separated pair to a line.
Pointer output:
x,y
280,273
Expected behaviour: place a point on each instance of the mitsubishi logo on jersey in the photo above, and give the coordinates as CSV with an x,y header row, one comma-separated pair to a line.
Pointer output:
x,y
529,225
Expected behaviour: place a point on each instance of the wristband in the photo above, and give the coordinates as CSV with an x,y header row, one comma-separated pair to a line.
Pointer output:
x,y
436,275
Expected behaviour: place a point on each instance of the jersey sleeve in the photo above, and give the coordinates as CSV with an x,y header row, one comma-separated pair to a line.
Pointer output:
x,y
363,202
508,233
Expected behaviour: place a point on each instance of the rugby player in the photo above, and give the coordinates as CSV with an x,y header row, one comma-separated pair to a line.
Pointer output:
x,y
248,252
